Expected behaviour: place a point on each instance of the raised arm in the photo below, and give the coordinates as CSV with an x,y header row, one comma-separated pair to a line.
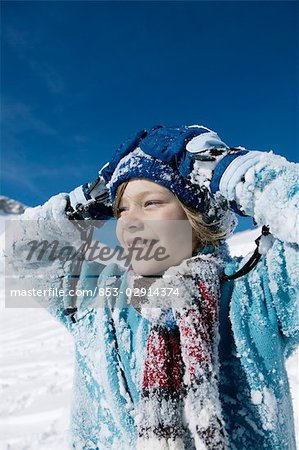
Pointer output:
x,y
263,186
35,264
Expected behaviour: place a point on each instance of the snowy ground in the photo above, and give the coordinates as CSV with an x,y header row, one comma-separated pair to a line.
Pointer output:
x,y
36,375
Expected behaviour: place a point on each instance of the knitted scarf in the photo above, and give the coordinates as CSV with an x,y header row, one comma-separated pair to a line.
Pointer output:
x,y
179,406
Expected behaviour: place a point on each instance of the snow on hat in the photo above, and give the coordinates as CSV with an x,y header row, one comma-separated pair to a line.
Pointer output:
x,y
161,157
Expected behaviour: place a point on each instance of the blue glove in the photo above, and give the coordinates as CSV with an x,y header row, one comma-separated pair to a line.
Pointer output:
x,y
89,201
182,146
124,149
165,143
169,145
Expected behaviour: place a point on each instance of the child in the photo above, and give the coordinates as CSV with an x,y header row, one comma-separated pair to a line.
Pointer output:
x,y
202,368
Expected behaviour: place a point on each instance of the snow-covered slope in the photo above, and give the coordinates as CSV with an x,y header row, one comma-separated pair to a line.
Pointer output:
x,y
244,242
37,366
36,369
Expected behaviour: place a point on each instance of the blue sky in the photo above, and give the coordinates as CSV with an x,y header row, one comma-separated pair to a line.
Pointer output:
x,y
79,77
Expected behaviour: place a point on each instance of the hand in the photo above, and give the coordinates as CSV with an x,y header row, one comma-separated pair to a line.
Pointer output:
x,y
124,149
194,151
203,155
173,144
169,145
89,202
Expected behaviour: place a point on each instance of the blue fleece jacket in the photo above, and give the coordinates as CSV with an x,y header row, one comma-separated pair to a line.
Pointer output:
x,y
258,329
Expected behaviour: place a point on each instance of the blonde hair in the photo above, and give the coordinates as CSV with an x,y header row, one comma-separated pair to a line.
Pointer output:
x,y
204,233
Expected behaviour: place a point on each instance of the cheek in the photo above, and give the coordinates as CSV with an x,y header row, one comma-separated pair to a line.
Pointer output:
x,y
168,231
171,222
119,232
173,212
176,236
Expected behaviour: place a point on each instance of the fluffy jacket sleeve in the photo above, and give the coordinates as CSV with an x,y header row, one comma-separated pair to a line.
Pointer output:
x,y
33,245
266,187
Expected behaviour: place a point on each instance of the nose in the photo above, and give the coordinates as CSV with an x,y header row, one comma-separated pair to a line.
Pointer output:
x,y
132,221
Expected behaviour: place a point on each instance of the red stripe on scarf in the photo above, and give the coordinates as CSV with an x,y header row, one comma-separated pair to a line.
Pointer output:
x,y
163,365
209,309
197,331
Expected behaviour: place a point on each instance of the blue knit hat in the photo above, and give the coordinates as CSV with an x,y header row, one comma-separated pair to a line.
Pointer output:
x,y
160,156
140,165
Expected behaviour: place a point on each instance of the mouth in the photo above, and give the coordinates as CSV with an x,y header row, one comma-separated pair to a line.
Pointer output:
x,y
139,242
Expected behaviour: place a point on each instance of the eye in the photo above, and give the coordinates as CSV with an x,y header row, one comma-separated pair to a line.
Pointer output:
x,y
122,209
153,202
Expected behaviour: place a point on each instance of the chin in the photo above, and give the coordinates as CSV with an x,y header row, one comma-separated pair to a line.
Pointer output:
x,y
147,270
156,268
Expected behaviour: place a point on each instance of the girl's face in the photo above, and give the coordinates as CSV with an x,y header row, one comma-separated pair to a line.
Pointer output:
x,y
152,220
